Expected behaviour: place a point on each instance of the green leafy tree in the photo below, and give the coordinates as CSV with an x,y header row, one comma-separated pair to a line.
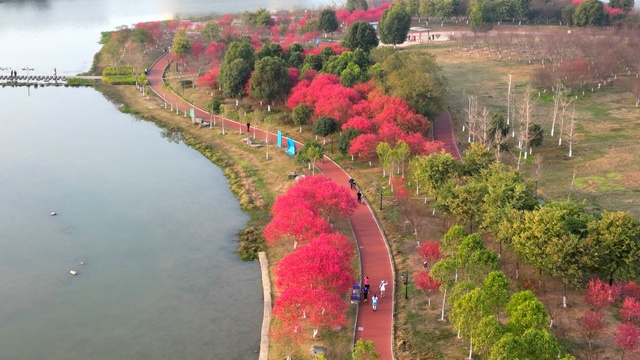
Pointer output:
x,y
336,64
440,8
260,17
361,35
433,171
444,270
181,45
353,5
142,37
344,139
626,5
352,75
233,76
364,350
616,236
328,21
466,312
425,92
215,105
384,156
401,152
496,286
476,158
310,152
487,332
589,13
270,80
301,115
526,312
567,15
294,55
462,199
480,17
467,247
269,49
481,263
325,126
452,239
210,31
537,134
394,25
240,50
553,238
507,191
412,6
533,344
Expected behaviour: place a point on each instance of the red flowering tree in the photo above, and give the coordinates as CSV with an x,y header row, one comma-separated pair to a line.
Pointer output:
x,y
225,20
328,198
289,306
301,223
364,146
631,289
215,51
359,123
630,310
592,326
288,336
294,76
337,49
600,294
430,251
324,263
426,283
400,192
627,337
209,79
327,312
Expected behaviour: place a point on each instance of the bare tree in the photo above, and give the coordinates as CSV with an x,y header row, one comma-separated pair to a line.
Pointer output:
x,y
525,111
571,129
557,94
564,103
509,100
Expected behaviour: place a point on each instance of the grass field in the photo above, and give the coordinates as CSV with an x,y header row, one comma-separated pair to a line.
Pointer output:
x,y
605,146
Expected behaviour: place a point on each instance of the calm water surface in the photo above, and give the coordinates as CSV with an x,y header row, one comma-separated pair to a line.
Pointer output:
x,y
153,220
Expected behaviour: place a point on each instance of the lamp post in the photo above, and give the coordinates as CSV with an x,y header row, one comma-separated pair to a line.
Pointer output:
x,y
380,190
27,69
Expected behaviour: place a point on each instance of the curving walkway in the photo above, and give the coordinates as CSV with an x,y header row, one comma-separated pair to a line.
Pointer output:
x,y
374,254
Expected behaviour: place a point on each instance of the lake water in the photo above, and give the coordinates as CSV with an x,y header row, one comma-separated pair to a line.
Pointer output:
x,y
153,221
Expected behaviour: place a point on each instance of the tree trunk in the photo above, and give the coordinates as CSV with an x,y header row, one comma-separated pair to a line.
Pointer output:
x,y
444,298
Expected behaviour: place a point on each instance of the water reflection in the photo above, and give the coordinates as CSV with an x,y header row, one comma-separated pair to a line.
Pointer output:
x,y
171,135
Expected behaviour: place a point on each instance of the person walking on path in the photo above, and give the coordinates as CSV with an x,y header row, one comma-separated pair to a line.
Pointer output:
x,y
365,287
359,194
374,302
365,293
352,183
248,127
383,287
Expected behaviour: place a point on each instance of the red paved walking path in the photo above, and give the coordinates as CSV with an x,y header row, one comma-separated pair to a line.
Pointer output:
x,y
443,131
374,254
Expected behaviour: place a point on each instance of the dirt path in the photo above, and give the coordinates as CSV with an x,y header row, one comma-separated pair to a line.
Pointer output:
x,y
374,254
